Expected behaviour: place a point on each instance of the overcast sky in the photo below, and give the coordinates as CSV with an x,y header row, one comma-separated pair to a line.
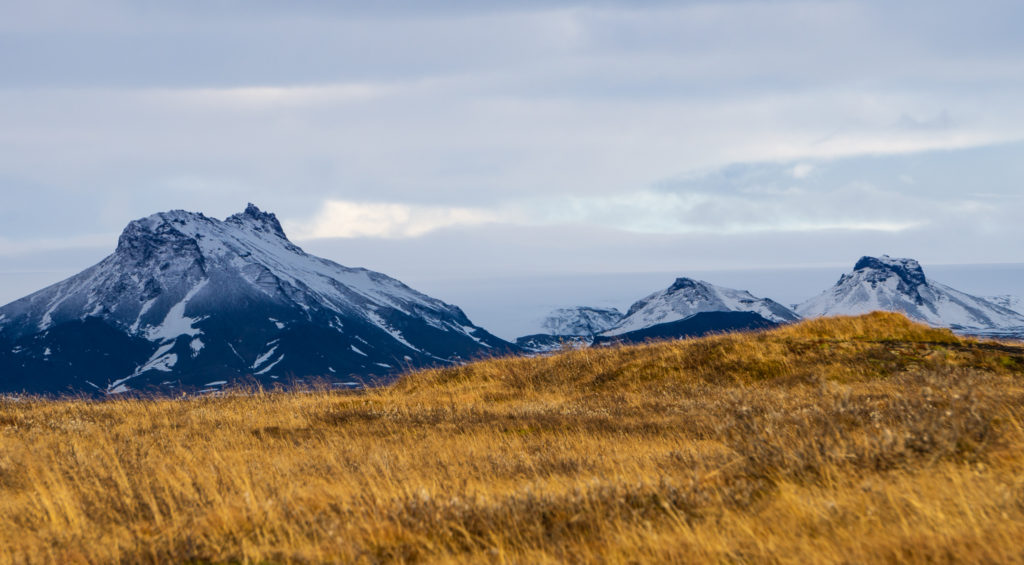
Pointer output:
x,y
466,138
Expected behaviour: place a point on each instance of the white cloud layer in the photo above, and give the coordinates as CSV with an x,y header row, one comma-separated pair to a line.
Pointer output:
x,y
339,218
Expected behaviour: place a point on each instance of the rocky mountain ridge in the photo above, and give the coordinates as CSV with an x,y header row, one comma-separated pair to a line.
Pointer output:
x,y
188,301
900,285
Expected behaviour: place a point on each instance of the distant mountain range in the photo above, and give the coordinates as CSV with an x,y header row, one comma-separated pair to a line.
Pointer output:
x,y
191,303
194,303
688,297
690,307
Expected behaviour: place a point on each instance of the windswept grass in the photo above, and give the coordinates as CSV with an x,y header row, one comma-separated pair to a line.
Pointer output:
x,y
866,439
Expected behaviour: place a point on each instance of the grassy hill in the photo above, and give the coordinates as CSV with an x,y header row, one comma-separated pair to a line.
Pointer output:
x,y
837,440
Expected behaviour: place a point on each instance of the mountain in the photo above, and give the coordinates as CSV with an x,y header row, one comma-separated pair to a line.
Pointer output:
x,y
697,325
688,297
1007,301
900,285
570,327
191,302
581,321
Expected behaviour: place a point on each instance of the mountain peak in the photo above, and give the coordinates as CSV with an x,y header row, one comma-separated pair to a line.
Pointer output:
x,y
194,300
141,238
908,270
682,283
687,297
257,219
899,285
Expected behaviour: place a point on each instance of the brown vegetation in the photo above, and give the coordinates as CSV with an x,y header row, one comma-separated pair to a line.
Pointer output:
x,y
866,439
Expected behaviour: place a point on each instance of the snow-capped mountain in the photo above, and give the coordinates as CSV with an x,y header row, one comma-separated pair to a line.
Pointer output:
x,y
688,297
190,301
581,321
570,327
899,285
699,324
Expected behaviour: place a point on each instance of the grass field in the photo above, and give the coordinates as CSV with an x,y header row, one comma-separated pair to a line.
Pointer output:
x,y
842,440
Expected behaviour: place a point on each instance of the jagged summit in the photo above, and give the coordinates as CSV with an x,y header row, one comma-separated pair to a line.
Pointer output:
x,y
202,298
687,284
900,285
686,297
879,269
140,237
258,220
184,232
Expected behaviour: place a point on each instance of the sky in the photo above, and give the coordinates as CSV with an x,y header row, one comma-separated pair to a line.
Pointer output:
x,y
460,141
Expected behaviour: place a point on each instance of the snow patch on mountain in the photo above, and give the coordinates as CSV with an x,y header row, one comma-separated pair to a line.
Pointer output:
x,y
1008,301
176,323
142,312
267,369
264,357
382,324
161,360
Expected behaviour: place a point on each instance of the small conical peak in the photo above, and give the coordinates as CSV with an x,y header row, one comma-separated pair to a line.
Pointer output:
x,y
258,220
908,270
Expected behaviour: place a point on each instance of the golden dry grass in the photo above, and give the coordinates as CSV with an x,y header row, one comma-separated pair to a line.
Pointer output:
x,y
843,440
